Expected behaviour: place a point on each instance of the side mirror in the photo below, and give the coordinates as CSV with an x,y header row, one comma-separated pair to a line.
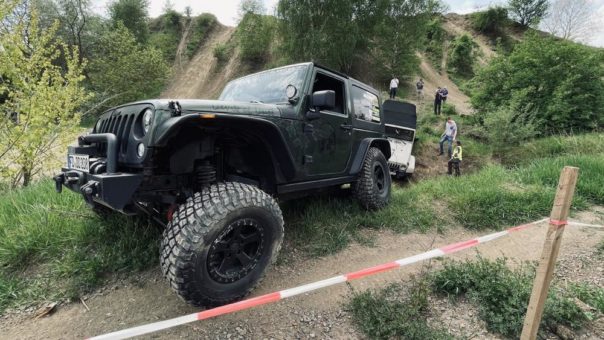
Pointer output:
x,y
323,100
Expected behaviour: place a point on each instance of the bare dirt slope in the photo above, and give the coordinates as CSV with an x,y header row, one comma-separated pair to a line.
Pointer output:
x,y
434,79
202,76
147,298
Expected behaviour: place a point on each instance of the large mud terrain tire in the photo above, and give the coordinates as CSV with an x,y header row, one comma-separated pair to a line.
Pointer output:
x,y
373,186
220,243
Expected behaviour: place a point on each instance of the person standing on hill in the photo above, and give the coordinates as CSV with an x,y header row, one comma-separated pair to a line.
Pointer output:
x,y
448,136
419,86
437,102
393,87
443,94
455,161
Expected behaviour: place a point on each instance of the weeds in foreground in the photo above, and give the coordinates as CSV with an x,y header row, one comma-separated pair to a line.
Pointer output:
x,y
591,295
502,295
398,311
53,247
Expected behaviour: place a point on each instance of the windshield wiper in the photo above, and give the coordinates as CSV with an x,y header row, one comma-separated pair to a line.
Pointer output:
x,y
256,102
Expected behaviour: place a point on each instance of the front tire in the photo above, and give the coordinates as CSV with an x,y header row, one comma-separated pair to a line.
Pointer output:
x,y
373,186
220,243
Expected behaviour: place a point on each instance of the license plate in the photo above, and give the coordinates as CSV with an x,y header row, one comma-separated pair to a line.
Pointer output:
x,y
78,162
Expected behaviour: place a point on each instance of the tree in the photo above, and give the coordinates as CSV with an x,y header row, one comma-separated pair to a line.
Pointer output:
x,y
125,70
573,20
398,34
462,55
491,21
255,31
133,15
528,12
555,84
42,97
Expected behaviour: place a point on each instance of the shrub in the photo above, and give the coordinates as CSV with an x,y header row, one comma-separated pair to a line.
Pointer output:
x,y
435,37
591,295
449,110
255,34
505,129
395,312
222,53
502,295
463,55
492,21
201,26
556,84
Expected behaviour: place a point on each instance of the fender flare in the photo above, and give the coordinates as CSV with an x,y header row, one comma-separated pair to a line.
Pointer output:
x,y
265,130
381,143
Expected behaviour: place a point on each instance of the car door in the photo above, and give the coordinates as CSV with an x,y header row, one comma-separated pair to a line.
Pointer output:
x,y
329,140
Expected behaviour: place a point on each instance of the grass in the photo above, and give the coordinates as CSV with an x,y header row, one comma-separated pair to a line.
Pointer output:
x,y
502,294
492,198
53,247
555,146
591,295
396,312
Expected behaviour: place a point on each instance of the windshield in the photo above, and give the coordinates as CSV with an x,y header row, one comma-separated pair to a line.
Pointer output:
x,y
265,87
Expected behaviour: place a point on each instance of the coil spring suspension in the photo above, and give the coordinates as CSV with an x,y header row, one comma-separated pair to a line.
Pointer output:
x,y
206,174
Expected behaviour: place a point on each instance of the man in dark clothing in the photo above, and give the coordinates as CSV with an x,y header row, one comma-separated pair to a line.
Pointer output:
x,y
443,95
437,102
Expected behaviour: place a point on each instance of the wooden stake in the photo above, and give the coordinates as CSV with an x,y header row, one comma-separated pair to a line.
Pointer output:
x,y
547,262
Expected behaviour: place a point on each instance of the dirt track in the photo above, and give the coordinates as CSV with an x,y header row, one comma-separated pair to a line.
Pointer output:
x,y
147,297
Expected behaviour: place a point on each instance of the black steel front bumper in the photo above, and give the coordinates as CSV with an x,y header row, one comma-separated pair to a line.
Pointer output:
x,y
110,188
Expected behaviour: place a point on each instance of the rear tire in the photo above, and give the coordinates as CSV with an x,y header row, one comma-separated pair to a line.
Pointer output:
x,y
220,243
372,189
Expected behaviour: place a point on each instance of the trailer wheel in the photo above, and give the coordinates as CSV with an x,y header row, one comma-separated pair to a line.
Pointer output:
x,y
373,186
220,243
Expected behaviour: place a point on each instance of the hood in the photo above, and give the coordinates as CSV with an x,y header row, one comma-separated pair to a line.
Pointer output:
x,y
219,106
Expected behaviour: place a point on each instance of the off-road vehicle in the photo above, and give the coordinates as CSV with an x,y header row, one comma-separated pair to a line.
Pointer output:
x,y
210,170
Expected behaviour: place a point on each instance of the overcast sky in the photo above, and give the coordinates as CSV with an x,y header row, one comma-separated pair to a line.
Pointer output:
x,y
226,10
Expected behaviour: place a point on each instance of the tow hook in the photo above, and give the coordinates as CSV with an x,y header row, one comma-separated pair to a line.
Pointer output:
x,y
88,190
59,180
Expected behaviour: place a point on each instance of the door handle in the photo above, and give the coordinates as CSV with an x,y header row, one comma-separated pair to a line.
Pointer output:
x,y
346,127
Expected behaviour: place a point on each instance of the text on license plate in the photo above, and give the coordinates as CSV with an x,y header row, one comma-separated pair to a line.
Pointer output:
x,y
77,162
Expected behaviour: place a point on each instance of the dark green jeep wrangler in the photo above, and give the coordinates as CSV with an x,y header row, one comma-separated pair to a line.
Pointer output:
x,y
210,170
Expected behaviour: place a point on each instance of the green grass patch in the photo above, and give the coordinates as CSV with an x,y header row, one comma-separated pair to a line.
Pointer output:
x,y
546,172
502,295
591,295
327,224
52,246
396,312
554,146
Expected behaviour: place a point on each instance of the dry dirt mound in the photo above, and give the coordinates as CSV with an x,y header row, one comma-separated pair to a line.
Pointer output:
x,y
203,76
148,298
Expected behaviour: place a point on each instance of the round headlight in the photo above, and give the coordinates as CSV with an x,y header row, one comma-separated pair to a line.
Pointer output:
x,y
147,119
140,149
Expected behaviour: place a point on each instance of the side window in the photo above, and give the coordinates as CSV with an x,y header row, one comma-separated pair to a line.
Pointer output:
x,y
366,105
324,82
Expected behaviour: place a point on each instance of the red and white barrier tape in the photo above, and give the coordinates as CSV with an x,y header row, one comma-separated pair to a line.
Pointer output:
x,y
276,296
579,224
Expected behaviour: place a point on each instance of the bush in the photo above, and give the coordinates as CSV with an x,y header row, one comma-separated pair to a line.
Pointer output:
x,y
435,37
463,55
222,53
395,312
255,34
505,129
591,295
449,110
502,295
492,21
201,26
556,84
